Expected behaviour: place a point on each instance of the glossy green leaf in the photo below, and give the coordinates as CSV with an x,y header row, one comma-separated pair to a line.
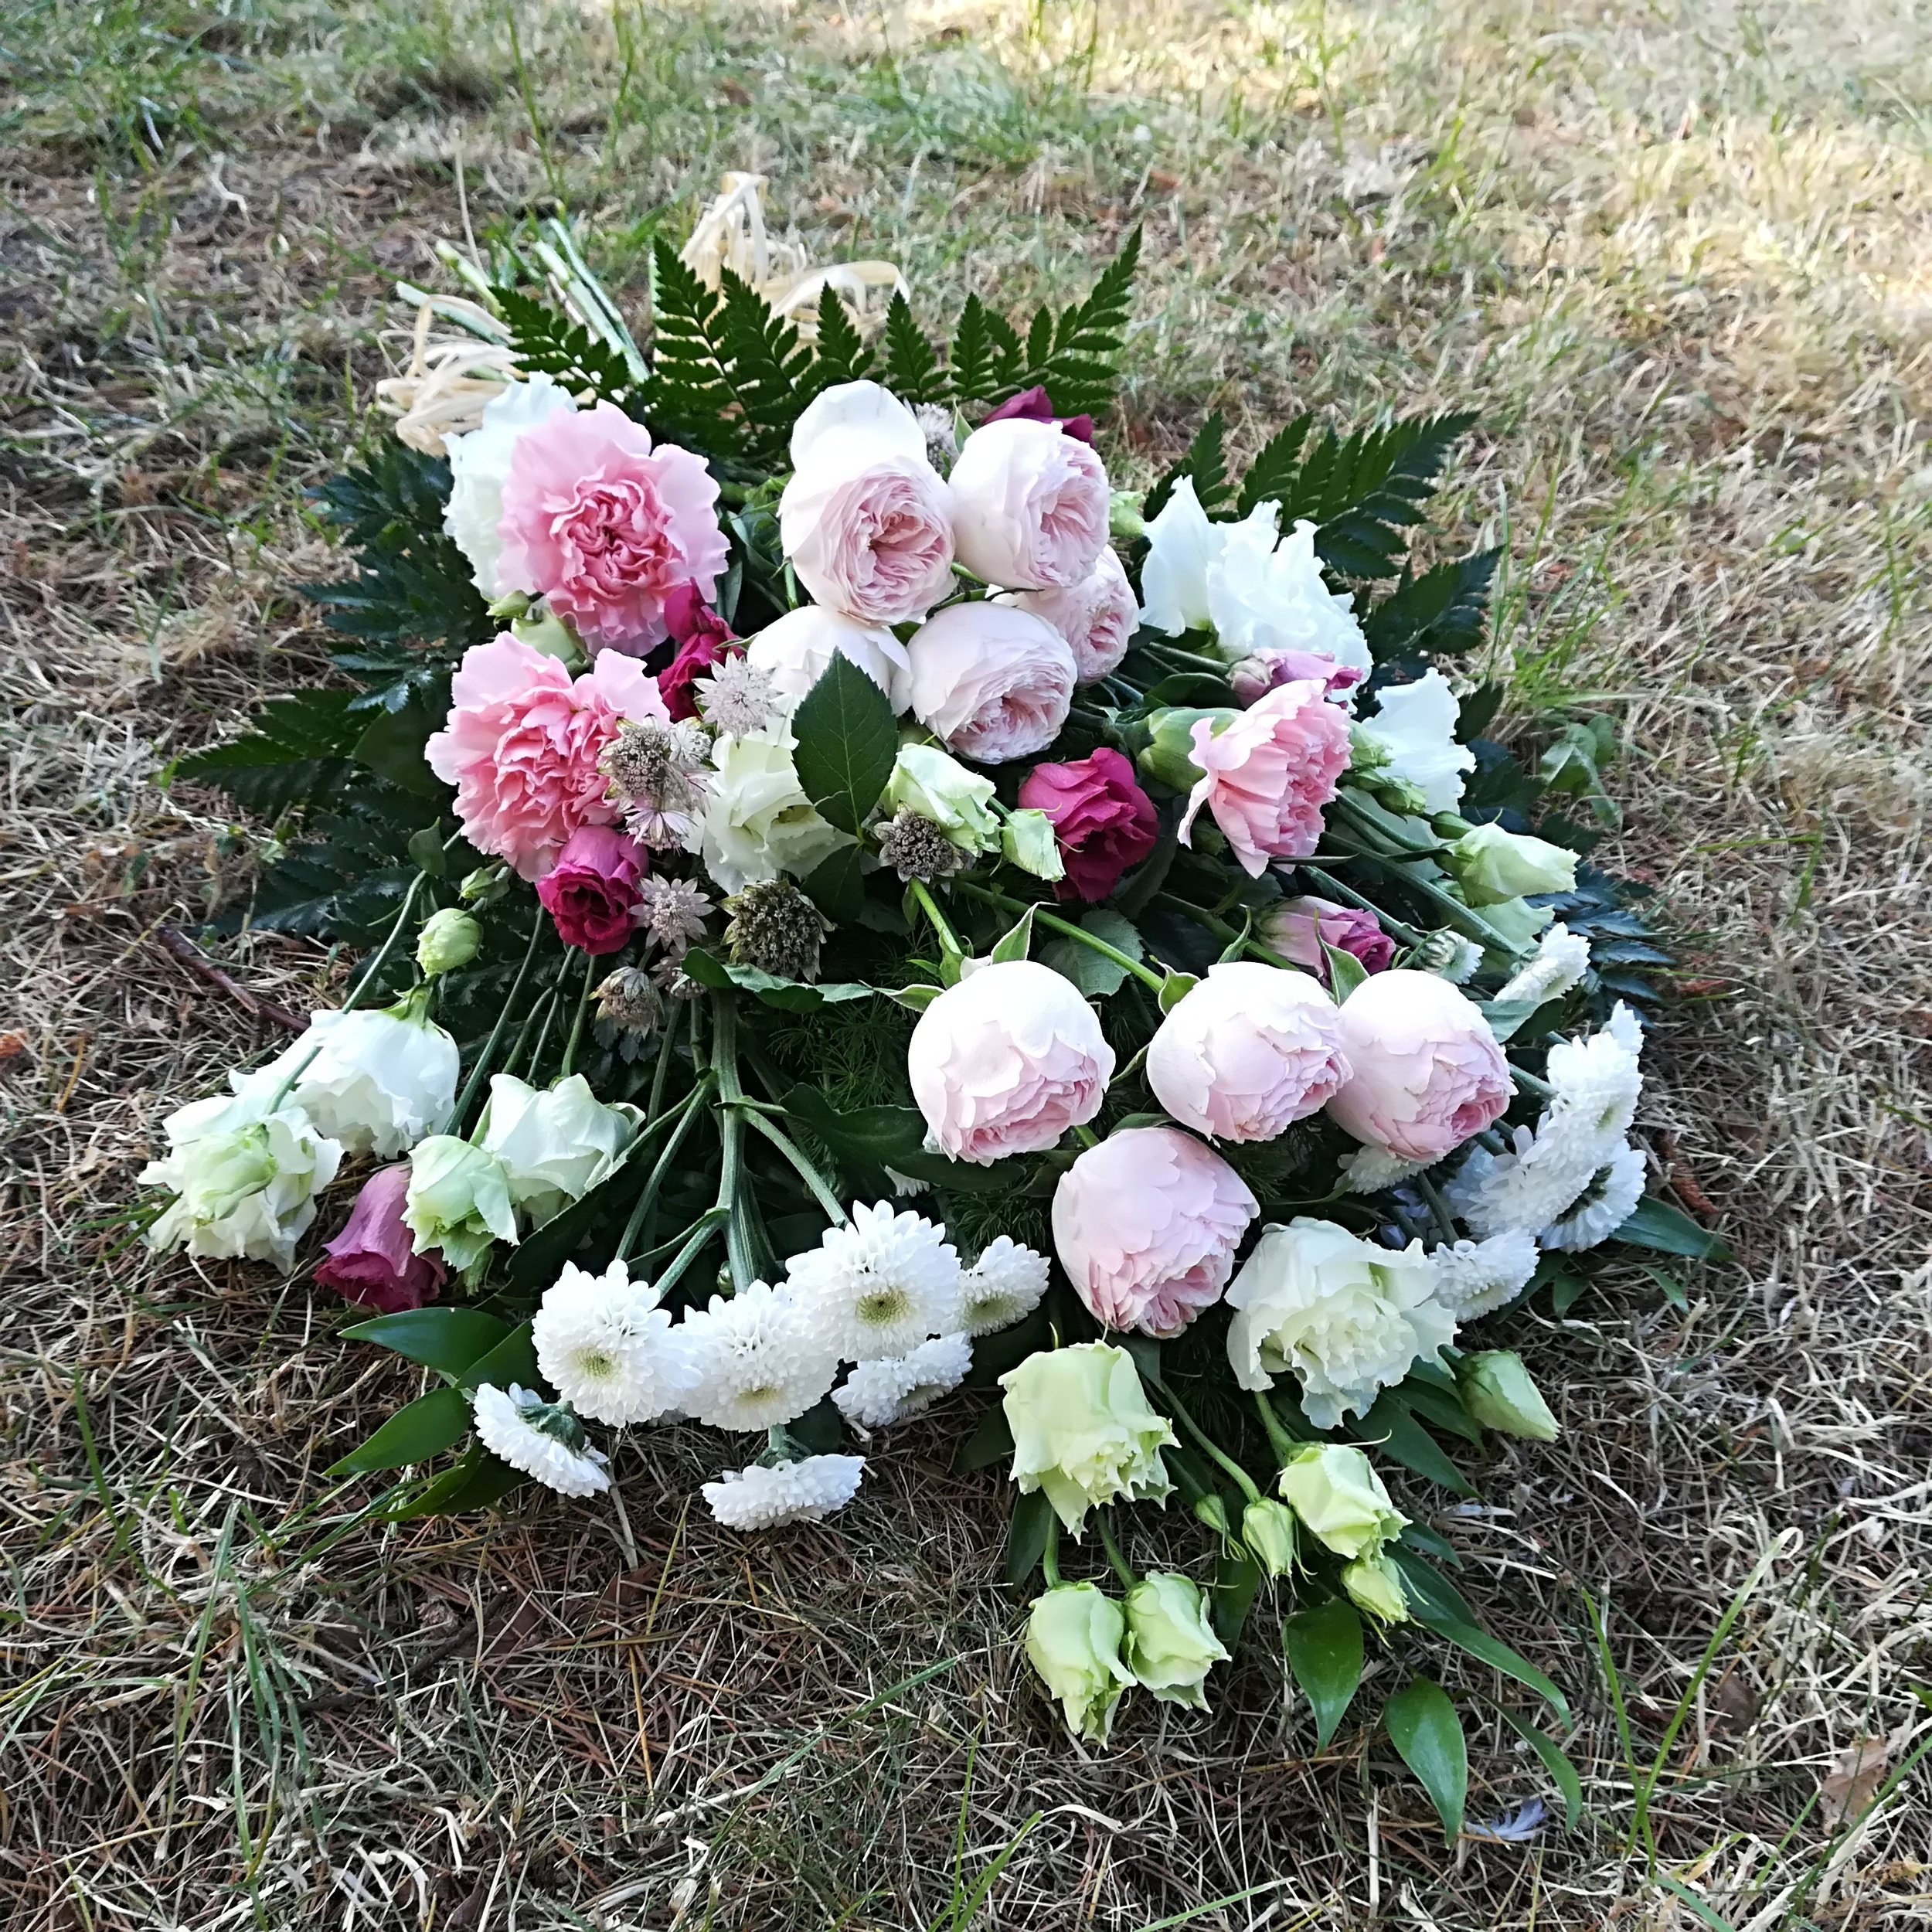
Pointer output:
x,y
1556,1761
1323,1645
1092,972
1033,1523
446,1339
513,1359
1237,1576
1658,1224
1345,971
991,1442
837,886
1389,1426
1423,1726
477,1480
789,995
848,739
418,1431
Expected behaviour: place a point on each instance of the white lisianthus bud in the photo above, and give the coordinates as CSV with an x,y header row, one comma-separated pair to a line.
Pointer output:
x,y
555,1146
458,1201
925,780
1334,1490
449,939
1268,1529
1073,1640
1492,865
1374,1584
1171,1646
1026,840
1498,1391
377,1081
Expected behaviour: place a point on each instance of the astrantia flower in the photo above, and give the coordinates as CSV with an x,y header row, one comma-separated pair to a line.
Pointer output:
x,y
880,1286
878,1393
1475,1277
915,847
761,1358
739,698
1608,1200
376,1081
773,926
657,774
1598,1080
766,1494
672,912
1004,1286
542,1439
628,1003
608,1349
1561,959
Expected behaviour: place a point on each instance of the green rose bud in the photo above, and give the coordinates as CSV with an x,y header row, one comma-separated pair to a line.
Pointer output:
x,y
1374,1584
1170,1645
1498,1391
1026,840
1491,865
458,1200
449,939
1335,1492
1083,1431
1268,1530
1074,1641
551,635
1124,522
511,605
1168,757
926,780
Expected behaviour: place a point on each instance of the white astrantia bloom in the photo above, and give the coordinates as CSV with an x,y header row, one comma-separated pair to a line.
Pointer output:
x,y
739,698
1181,545
757,821
766,1494
1369,1169
604,1345
1598,1081
1416,726
480,466
1559,962
377,1081
761,1358
554,1144
1607,1202
1004,1286
878,1393
1527,1185
1475,1278
673,913
1264,598
542,1439
879,1286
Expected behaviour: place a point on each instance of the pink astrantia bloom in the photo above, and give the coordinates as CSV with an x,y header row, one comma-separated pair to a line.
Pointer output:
x,y
521,745
372,1260
606,527
1146,1225
1261,672
591,893
1269,772
1096,616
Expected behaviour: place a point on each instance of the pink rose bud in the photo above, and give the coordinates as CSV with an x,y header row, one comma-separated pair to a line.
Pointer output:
x,y
1269,774
1256,675
1249,1050
992,682
1428,1072
371,1260
1006,1061
702,638
1030,506
591,893
1102,820
606,527
1298,928
1034,405
1096,616
866,520
1146,1225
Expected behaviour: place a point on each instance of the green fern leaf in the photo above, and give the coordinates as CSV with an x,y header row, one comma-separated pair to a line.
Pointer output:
x,y
1080,369
987,358
842,356
764,366
1272,472
1205,464
550,344
912,373
1442,610
687,399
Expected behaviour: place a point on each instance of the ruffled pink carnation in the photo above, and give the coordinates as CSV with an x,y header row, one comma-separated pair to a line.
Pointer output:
x,y
606,527
522,744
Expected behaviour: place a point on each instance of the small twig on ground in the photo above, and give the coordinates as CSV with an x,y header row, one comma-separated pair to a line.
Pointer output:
x,y
179,946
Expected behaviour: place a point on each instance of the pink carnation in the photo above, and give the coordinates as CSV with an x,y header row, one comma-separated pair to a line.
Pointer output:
x,y
521,745
1269,772
606,527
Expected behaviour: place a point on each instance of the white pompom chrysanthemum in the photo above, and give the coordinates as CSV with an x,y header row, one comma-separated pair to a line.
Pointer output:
x,y
1004,1286
1368,1169
1561,960
1529,1184
877,1393
768,1493
1477,1278
542,1439
760,1357
608,1349
1598,1080
881,1285
1606,1203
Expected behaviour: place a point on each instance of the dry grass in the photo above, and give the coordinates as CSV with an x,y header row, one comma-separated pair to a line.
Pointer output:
x,y
1679,255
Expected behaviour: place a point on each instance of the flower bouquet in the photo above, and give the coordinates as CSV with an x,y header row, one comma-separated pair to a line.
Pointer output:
x,y
857,906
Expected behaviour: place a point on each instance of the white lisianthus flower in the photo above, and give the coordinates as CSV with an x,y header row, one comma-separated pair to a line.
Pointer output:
x,y
1374,1584
879,1286
929,781
376,1081
761,1359
1182,546
458,1201
877,1394
604,1345
757,821
542,1439
1599,1080
1073,1639
1171,1645
1559,962
1474,1278
1263,598
555,1145
1416,727
480,466
244,1177
1608,1200
1004,1286
1333,1489
1495,867
766,1494
1347,1317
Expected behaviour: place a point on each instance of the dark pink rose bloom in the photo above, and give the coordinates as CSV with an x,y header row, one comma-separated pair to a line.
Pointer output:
x,y
1254,677
371,1261
1034,405
702,638
591,892
1297,928
1104,821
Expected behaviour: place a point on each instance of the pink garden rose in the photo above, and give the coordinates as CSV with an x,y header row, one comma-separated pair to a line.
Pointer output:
x,y
591,892
371,1260
521,745
1030,506
866,520
798,649
1428,1074
1259,672
1104,821
1006,1061
1269,772
702,638
606,527
1096,616
992,683
1298,928
1034,405
1146,1225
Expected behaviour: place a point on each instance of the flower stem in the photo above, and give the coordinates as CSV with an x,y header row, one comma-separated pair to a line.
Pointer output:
x,y
687,1118
1284,1444
1049,1554
1042,917
948,939
1122,1568
576,1025
1226,934
482,1066
1530,1084
747,1247
705,1225
366,983
1445,1221
1245,1482
808,1171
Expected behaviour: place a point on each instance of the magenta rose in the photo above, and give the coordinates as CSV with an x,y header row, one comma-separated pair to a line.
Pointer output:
x,y
591,892
1104,821
1298,928
371,1260
606,526
1258,674
702,638
1034,405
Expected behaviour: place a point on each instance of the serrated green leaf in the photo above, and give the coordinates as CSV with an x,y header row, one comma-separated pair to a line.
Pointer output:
x,y
837,886
1205,465
1092,972
1423,1725
789,995
1323,1645
912,373
848,740
1441,612
391,746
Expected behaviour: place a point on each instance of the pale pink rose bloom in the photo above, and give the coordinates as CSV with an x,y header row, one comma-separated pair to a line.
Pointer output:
x,y
992,682
1006,1061
1249,1050
1428,1074
1146,1225
606,527
1030,506
521,743
1096,616
866,520
1269,774
798,649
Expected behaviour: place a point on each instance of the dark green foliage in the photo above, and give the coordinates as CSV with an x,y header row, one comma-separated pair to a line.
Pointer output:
x,y
1623,947
1205,463
548,343
1441,612
841,354
1272,472
346,879
296,749
987,356
912,373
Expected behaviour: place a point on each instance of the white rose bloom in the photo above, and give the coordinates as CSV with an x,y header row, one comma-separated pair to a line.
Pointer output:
x,y
1261,597
796,650
1004,1286
608,1349
757,820
761,1359
876,1394
376,1081
480,466
1416,725
1608,1202
769,1494
556,1145
1348,1317
245,1180
880,1286
542,1439
1182,545
1475,1278
1561,959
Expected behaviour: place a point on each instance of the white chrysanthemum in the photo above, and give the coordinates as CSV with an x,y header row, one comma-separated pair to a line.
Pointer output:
x,y
1477,1278
1372,1168
1606,1204
760,1357
1561,959
542,1439
1598,1080
1527,1185
1004,1286
608,1349
738,698
876,1393
879,1286
768,1493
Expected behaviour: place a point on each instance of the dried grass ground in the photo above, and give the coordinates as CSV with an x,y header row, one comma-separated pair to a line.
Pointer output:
x,y
1679,255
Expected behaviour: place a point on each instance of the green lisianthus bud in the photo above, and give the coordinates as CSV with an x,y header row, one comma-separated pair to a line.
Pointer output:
x,y
511,605
1073,1638
1518,922
1026,840
1212,1511
1268,1527
1171,1646
927,780
458,1200
485,885
449,939
1497,1389
551,635
1374,1584
1083,1430
1124,522
1491,865
1168,757
1335,1492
